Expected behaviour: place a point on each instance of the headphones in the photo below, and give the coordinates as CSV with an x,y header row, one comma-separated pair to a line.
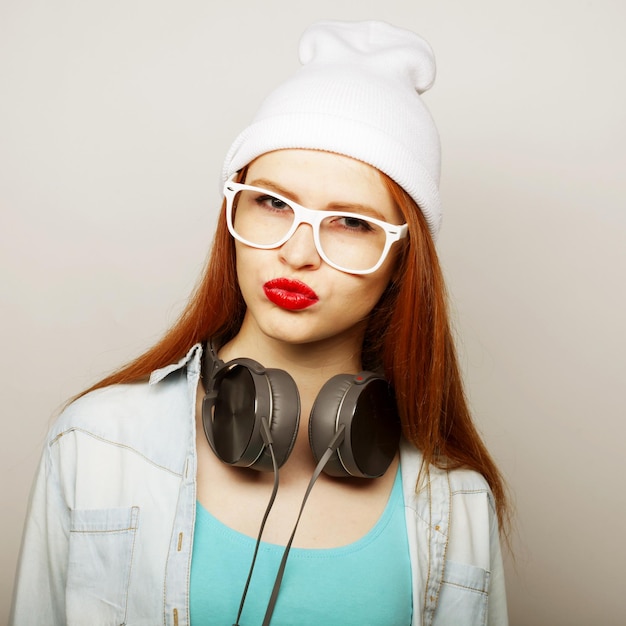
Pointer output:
x,y
241,394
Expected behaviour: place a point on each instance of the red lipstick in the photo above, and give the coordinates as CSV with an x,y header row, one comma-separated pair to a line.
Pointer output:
x,y
289,294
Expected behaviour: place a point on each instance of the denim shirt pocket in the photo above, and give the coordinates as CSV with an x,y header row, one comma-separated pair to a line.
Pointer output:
x,y
464,595
101,546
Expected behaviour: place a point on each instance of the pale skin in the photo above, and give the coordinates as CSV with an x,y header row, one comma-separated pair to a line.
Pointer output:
x,y
312,345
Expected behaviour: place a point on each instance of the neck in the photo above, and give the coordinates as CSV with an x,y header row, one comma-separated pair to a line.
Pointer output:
x,y
309,364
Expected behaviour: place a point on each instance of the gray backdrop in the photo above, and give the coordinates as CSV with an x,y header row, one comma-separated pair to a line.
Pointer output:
x,y
114,119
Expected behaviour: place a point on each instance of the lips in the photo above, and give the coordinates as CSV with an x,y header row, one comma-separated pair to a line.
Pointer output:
x,y
289,294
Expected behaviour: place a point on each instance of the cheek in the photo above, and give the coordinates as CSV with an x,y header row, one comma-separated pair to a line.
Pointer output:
x,y
248,259
379,283
385,274
246,266
366,295
377,291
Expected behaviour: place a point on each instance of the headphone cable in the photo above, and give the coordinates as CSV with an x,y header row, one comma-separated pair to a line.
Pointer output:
x,y
268,441
330,450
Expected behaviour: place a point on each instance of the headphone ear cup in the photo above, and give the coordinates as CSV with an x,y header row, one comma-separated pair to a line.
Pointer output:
x,y
243,393
284,420
323,422
364,404
231,424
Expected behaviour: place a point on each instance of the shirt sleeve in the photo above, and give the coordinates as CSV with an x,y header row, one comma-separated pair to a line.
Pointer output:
x,y
39,589
497,611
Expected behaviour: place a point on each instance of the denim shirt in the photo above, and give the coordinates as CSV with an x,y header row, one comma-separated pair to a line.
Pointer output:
x,y
109,532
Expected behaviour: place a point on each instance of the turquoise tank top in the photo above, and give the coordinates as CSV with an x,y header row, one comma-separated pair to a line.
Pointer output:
x,y
365,583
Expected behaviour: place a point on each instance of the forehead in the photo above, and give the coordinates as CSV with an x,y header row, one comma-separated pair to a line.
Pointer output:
x,y
316,179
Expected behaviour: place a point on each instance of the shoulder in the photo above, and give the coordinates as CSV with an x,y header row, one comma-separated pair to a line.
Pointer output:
x,y
453,483
467,484
457,503
152,419
106,407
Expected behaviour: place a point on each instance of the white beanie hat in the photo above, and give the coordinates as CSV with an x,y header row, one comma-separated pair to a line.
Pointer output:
x,y
356,94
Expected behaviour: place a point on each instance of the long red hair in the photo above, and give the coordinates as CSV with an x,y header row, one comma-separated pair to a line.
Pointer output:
x,y
408,335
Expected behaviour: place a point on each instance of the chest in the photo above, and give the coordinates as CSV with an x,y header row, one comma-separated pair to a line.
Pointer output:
x,y
337,512
364,582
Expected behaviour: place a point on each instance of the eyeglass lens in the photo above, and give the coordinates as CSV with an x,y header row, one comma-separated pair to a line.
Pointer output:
x,y
354,243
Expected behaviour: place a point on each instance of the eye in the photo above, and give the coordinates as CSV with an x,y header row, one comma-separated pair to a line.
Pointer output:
x,y
271,202
354,223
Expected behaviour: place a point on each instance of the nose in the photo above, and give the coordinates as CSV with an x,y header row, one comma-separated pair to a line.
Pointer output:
x,y
299,251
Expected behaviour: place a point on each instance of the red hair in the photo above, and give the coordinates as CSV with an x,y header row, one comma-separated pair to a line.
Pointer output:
x,y
417,351
408,335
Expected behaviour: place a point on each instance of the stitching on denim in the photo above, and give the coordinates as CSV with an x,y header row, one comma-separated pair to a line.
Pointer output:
x,y
426,522
430,525
171,554
104,532
478,492
445,550
190,539
117,445
473,589
134,514
135,521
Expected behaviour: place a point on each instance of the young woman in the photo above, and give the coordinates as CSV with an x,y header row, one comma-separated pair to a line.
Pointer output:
x,y
318,332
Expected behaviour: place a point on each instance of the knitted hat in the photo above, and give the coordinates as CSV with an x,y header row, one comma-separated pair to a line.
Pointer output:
x,y
356,94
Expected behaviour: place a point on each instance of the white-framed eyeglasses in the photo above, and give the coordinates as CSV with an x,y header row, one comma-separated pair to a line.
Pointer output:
x,y
350,242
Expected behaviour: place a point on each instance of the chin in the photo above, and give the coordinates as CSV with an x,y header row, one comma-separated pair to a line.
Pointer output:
x,y
308,336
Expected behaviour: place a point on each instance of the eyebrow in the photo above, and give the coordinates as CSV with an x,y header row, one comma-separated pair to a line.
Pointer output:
x,y
350,207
